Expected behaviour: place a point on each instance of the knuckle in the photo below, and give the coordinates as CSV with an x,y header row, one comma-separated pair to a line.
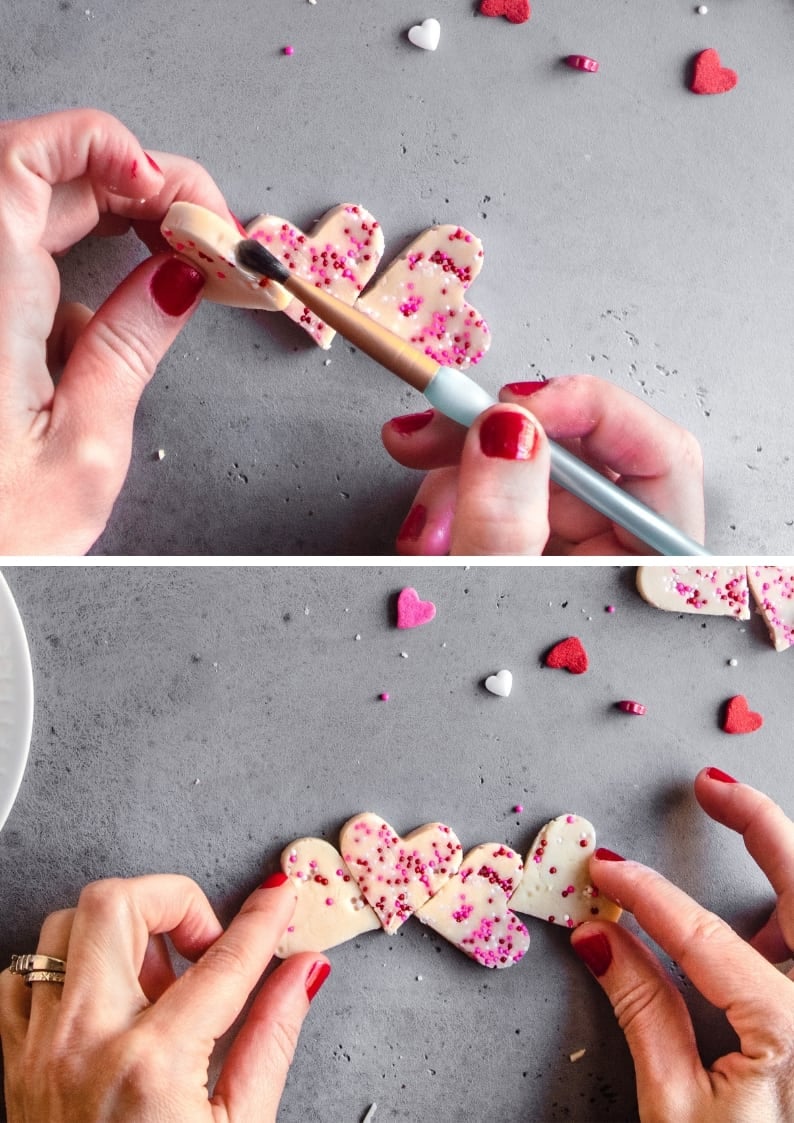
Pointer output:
x,y
130,356
104,900
284,1041
226,959
639,1002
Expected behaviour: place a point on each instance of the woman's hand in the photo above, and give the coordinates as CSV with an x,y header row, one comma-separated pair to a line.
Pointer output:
x,y
756,1083
487,490
122,1039
70,382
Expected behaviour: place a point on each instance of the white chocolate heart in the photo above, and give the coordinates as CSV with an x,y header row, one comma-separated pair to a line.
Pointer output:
x,y
398,875
556,885
330,907
421,296
208,242
339,256
471,910
501,683
772,587
708,590
426,34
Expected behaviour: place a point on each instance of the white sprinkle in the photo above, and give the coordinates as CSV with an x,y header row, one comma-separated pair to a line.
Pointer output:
x,y
419,978
161,454
577,1056
306,610
370,1114
196,782
702,10
403,654
358,635
733,662
327,363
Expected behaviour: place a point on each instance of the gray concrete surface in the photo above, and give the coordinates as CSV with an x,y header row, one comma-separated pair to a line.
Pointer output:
x,y
632,230
197,720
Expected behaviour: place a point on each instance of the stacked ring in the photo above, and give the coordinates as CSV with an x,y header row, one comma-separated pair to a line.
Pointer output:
x,y
38,968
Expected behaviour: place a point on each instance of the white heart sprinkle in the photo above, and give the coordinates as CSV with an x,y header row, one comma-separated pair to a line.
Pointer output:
x,y
426,34
500,683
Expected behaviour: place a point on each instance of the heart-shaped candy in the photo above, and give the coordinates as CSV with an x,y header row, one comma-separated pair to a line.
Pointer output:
x,y
500,684
709,76
517,11
208,242
411,611
569,655
339,256
471,909
421,296
739,718
330,908
426,34
772,587
556,885
398,875
719,590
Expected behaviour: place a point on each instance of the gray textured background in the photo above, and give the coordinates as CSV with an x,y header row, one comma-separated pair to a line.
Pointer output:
x,y
252,682
631,229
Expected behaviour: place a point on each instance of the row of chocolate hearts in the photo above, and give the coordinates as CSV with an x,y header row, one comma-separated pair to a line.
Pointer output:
x,y
420,296
379,880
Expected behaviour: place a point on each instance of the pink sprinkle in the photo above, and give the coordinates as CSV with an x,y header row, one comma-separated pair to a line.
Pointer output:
x,y
329,900
610,608
383,697
289,50
519,807
582,62
629,707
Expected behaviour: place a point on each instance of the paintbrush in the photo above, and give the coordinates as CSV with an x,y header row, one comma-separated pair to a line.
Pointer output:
x,y
456,395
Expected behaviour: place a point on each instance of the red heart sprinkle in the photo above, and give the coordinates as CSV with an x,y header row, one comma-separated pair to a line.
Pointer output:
x,y
709,76
517,11
739,718
411,611
569,655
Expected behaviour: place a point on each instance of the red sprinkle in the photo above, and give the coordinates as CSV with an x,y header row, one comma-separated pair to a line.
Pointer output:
x,y
569,654
739,718
582,62
632,707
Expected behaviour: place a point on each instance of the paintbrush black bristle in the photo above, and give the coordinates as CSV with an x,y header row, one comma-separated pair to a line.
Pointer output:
x,y
253,256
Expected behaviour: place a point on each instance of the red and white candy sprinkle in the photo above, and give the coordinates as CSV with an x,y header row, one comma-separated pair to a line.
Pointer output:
x,y
630,707
582,62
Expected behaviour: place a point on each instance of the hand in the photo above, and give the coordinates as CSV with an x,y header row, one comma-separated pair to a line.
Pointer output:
x,y
490,495
69,381
756,1083
122,1039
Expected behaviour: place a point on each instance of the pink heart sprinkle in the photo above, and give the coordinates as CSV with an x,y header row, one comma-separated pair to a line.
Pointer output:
x,y
411,611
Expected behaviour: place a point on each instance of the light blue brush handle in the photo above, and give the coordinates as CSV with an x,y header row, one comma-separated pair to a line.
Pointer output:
x,y
454,394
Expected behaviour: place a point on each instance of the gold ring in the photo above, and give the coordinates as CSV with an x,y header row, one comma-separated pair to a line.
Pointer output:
x,y
44,977
24,964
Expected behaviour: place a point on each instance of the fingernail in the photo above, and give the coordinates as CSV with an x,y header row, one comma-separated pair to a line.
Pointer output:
x,y
718,774
508,435
175,286
274,881
411,422
316,977
413,525
152,163
595,952
605,855
524,389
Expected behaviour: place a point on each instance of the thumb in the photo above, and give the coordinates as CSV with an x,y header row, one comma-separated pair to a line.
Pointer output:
x,y
652,1015
116,355
503,485
256,1068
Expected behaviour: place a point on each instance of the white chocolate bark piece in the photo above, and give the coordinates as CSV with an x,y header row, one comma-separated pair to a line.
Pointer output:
x,y
208,242
772,587
339,256
330,908
421,296
398,875
709,590
556,885
471,910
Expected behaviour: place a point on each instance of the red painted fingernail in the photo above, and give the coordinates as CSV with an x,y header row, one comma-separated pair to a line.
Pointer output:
x,y
412,422
524,389
274,881
595,952
605,855
414,524
508,435
152,163
718,774
175,286
316,977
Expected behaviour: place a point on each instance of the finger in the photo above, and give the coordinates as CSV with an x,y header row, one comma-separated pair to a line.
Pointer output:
x,y
253,1076
204,1002
649,1010
70,320
650,456
424,440
725,969
427,528
768,835
503,485
110,938
46,997
770,942
157,970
